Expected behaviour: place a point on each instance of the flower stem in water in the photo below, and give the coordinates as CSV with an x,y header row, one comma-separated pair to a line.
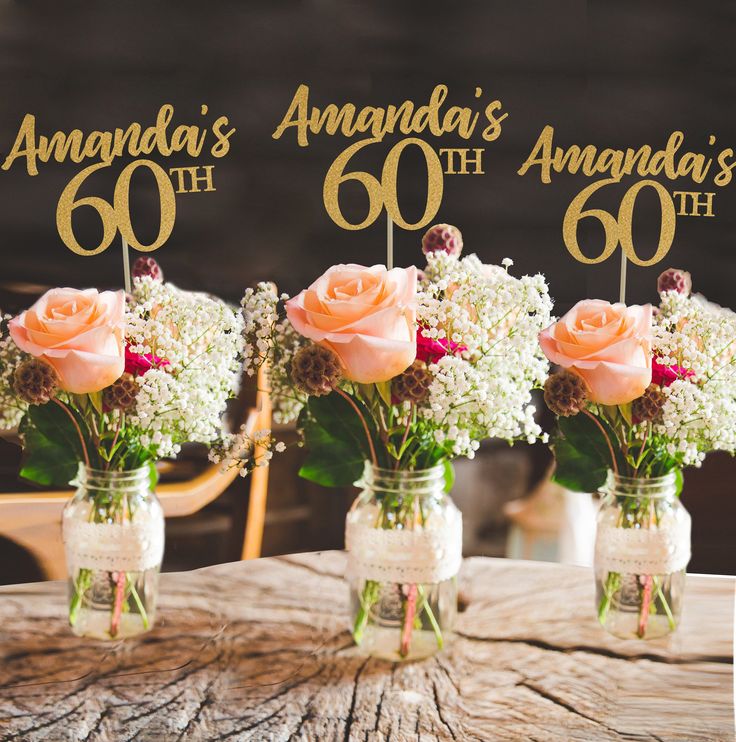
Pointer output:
x,y
659,594
646,598
139,603
431,617
368,598
118,605
81,585
410,608
611,585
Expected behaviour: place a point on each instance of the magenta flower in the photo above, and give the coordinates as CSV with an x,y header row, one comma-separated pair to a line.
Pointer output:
x,y
137,364
430,351
665,375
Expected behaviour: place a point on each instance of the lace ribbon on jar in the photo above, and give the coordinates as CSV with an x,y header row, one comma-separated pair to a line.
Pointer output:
x,y
113,547
643,551
424,555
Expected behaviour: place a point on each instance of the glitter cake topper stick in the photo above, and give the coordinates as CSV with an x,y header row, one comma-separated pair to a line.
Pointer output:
x,y
126,267
389,242
622,285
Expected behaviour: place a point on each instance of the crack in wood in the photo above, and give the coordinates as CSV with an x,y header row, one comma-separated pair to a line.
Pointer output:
x,y
308,567
349,719
600,651
447,674
307,714
154,709
98,723
255,724
552,698
438,705
38,727
195,715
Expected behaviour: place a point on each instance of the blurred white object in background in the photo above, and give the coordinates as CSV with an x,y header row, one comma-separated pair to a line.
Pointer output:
x,y
552,524
482,489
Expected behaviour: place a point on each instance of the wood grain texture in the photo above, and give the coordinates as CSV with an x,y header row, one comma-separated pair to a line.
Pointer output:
x,y
260,651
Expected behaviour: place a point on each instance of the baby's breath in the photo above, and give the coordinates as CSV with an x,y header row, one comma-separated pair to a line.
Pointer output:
x,y
699,414
201,338
485,390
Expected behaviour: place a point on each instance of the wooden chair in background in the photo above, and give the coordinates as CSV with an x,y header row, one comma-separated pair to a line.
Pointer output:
x,y
255,520
33,519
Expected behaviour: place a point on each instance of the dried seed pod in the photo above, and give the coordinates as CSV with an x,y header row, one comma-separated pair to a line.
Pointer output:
x,y
35,381
315,370
145,266
565,393
413,384
675,279
121,394
443,238
648,407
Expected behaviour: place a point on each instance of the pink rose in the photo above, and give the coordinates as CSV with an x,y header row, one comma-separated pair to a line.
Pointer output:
x,y
79,333
430,351
665,375
137,364
366,316
608,345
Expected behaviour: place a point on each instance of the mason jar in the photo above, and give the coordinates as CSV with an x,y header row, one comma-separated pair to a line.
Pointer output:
x,y
641,552
113,532
404,540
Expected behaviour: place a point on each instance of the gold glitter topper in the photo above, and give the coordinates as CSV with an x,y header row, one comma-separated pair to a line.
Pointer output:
x,y
106,147
670,162
407,119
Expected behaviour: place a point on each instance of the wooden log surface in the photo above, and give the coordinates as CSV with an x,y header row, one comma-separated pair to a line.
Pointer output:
x,y
260,651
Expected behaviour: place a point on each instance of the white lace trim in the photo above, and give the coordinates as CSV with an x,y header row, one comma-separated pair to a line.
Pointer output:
x,y
112,547
424,555
643,551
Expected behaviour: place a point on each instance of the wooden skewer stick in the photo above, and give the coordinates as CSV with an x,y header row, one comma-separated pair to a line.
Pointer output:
x,y
622,285
126,267
389,242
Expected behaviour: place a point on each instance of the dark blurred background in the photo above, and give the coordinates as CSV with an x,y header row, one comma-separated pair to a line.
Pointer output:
x,y
614,75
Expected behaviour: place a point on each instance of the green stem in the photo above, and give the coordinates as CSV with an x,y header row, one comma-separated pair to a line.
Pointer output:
x,y
367,431
81,585
609,588
368,598
76,427
607,439
138,602
665,604
430,616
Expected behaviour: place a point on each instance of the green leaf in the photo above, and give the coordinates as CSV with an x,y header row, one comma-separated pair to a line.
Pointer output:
x,y
449,475
576,470
52,422
384,389
52,446
368,391
584,435
96,399
625,410
679,481
46,462
583,454
338,417
330,461
152,475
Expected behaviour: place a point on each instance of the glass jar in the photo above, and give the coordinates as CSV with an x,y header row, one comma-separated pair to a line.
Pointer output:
x,y
403,535
113,531
641,551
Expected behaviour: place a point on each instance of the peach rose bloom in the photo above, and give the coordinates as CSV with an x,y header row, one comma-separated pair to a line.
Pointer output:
x,y
366,316
608,345
79,333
